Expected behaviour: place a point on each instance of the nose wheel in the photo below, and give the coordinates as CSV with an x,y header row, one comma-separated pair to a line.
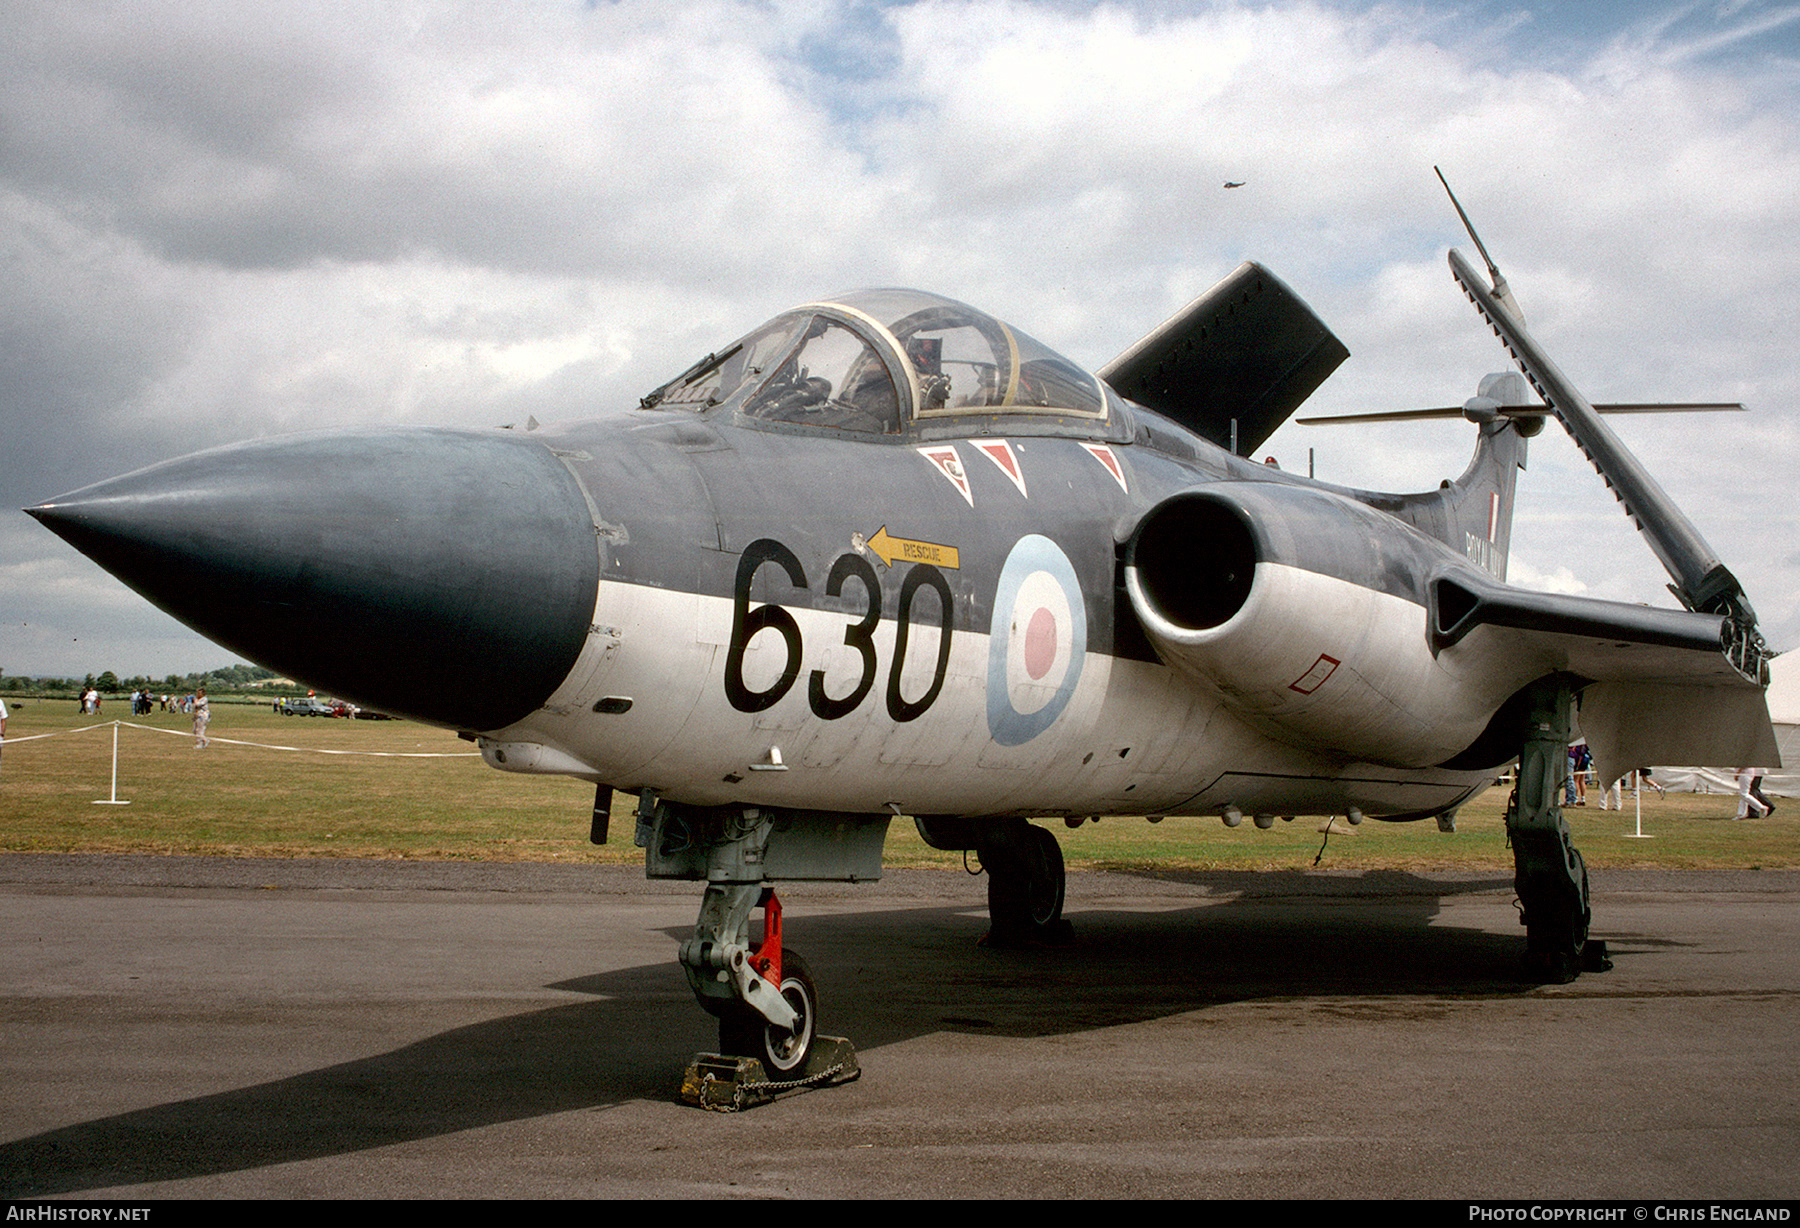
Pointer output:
x,y
769,1044
783,1051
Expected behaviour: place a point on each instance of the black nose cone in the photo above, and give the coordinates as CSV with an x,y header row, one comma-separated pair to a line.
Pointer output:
x,y
448,576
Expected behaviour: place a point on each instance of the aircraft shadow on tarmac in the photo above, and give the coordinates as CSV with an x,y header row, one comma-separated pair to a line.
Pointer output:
x,y
885,977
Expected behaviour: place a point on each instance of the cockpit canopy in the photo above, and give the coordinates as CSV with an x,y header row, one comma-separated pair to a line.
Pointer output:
x,y
875,361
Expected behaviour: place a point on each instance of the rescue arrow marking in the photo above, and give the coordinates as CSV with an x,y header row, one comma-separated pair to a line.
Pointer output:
x,y
887,548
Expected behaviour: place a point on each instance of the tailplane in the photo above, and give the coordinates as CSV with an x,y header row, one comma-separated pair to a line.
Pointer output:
x,y
1474,513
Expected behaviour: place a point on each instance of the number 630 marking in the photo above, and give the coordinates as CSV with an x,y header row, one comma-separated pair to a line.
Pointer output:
x,y
860,635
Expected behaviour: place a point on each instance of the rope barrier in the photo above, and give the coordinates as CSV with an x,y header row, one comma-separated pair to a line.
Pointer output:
x,y
311,750
114,725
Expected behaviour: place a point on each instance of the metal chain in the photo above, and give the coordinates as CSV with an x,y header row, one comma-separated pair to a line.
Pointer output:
x,y
739,1090
767,1086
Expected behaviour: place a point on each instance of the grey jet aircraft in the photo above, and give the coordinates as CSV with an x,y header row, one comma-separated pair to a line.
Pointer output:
x,y
887,555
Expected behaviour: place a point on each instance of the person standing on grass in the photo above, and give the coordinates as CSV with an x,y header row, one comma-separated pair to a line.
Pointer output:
x,y
2,724
202,714
1757,793
1747,790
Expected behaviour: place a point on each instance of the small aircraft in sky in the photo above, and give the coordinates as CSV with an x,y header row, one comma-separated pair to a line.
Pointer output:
x,y
889,556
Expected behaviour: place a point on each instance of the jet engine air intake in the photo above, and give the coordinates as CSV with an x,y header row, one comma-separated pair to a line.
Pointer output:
x,y
1195,560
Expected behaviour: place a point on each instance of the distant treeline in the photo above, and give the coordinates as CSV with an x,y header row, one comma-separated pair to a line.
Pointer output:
x,y
229,678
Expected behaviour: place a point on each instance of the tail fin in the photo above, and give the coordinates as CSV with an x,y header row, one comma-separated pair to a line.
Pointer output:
x,y
1474,514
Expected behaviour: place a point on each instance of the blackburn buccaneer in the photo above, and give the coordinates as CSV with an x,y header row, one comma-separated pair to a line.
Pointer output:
x,y
886,555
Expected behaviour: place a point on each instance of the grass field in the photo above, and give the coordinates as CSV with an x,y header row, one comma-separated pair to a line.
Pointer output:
x,y
254,800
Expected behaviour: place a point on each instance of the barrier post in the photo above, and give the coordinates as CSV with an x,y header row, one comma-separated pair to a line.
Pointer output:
x,y
1637,799
114,799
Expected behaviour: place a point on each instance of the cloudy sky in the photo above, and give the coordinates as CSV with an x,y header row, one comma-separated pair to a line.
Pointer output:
x,y
221,221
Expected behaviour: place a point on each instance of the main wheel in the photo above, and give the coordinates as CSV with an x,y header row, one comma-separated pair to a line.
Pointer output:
x,y
745,1033
1026,882
1048,879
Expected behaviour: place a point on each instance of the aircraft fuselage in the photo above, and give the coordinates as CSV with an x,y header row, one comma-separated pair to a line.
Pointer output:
x,y
943,628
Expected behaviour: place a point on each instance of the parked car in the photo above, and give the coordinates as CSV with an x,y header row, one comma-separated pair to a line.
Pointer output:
x,y
305,706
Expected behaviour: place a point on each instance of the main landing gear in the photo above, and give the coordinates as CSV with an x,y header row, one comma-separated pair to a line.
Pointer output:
x,y
1549,874
1026,880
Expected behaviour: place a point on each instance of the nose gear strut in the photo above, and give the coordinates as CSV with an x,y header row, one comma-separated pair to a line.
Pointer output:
x,y
762,994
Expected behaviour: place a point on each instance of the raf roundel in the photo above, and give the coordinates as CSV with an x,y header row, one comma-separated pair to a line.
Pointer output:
x,y
1037,641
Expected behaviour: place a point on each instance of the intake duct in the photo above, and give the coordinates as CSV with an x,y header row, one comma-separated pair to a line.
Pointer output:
x,y
1195,560
1304,612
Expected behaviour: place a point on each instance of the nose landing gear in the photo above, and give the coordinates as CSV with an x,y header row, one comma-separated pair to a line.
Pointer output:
x,y
746,1031
763,995
767,1006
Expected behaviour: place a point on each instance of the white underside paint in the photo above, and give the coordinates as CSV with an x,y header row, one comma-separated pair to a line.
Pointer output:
x,y
1134,737
1318,661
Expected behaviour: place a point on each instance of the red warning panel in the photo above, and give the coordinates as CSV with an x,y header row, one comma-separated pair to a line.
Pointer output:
x,y
1001,453
1315,677
1104,455
944,459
